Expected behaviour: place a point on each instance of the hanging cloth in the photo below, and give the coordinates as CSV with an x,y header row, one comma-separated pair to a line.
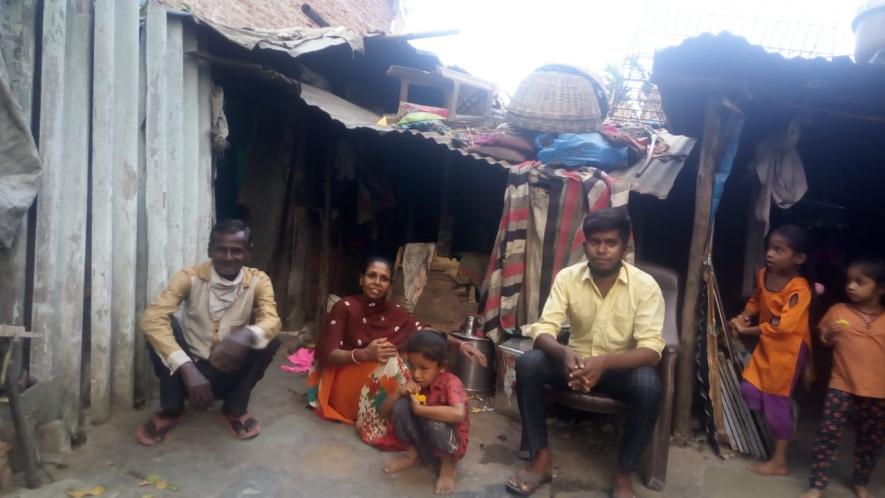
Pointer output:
x,y
780,172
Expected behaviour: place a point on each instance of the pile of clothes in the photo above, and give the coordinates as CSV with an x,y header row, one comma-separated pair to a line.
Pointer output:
x,y
505,146
613,147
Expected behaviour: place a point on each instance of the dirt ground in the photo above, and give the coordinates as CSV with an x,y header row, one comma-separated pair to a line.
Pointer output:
x,y
299,455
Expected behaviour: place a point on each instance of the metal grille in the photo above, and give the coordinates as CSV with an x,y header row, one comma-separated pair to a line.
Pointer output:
x,y
635,100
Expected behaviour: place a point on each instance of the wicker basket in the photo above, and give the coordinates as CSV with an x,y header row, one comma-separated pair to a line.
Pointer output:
x,y
558,99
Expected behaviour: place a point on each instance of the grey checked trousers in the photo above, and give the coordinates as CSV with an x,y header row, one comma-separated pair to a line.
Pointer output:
x,y
430,437
639,388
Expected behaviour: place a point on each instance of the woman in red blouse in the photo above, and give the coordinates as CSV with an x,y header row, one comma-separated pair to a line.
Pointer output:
x,y
358,360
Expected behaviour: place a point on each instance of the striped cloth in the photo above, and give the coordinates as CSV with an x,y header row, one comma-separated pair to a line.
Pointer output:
x,y
540,233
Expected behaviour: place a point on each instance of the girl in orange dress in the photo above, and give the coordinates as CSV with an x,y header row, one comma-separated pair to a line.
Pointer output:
x,y
856,332
781,301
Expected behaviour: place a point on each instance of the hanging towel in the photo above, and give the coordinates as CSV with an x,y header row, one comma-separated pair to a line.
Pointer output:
x,y
780,172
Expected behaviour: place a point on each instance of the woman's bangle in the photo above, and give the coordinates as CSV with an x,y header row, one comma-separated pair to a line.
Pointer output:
x,y
353,357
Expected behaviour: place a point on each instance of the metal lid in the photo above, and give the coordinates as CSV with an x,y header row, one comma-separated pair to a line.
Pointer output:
x,y
866,9
466,337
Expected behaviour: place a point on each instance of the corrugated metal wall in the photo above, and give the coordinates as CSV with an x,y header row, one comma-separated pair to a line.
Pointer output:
x,y
126,198
17,24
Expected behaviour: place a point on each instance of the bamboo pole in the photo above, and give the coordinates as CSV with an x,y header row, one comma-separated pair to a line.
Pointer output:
x,y
685,378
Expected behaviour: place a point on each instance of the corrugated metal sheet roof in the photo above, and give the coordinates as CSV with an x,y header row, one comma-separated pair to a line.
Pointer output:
x,y
359,16
294,41
355,117
730,64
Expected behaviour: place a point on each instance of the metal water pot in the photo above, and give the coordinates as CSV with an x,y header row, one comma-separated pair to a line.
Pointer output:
x,y
474,376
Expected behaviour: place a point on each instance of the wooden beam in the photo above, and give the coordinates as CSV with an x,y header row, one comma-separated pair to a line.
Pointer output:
x,y
68,333
685,375
314,16
325,233
412,36
102,211
12,376
125,181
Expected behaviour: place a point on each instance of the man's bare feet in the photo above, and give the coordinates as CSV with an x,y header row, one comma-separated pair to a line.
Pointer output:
x,y
535,474
770,468
812,493
622,485
402,462
445,483
862,492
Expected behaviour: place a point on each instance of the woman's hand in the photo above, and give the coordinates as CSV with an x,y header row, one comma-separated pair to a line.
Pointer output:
x,y
408,389
379,350
472,353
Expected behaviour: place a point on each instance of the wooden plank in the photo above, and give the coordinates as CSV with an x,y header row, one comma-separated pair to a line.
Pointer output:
x,y
688,336
102,210
206,193
175,175
125,181
325,233
51,145
446,229
302,235
190,153
141,363
156,180
12,374
17,41
72,212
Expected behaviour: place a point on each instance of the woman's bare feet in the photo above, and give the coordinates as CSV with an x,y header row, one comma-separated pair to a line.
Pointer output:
x,y
812,493
862,492
402,462
770,468
445,483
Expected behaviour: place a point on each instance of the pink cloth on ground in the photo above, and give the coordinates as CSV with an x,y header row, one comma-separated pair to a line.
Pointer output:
x,y
301,361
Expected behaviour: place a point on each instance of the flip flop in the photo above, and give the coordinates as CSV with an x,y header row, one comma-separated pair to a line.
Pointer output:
x,y
245,427
533,482
154,431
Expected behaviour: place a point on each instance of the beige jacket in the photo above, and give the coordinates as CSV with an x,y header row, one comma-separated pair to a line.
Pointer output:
x,y
254,307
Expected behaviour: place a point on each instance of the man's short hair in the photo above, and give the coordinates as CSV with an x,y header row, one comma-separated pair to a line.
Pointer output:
x,y
605,220
230,227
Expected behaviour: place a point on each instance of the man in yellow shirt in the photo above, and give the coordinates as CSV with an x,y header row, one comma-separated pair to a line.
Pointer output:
x,y
211,335
616,314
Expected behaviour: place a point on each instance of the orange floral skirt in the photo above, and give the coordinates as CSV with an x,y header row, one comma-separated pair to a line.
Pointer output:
x,y
353,394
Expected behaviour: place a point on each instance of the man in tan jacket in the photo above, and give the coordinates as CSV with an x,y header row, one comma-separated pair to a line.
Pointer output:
x,y
211,335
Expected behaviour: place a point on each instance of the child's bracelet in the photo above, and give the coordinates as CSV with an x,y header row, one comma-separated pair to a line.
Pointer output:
x,y
353,357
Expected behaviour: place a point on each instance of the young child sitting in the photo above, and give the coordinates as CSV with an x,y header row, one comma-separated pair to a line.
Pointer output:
x,y
429,413
856,332
781,301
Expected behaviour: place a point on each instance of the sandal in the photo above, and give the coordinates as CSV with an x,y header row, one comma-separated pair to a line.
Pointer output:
x,y
154,431
245,427
528,482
